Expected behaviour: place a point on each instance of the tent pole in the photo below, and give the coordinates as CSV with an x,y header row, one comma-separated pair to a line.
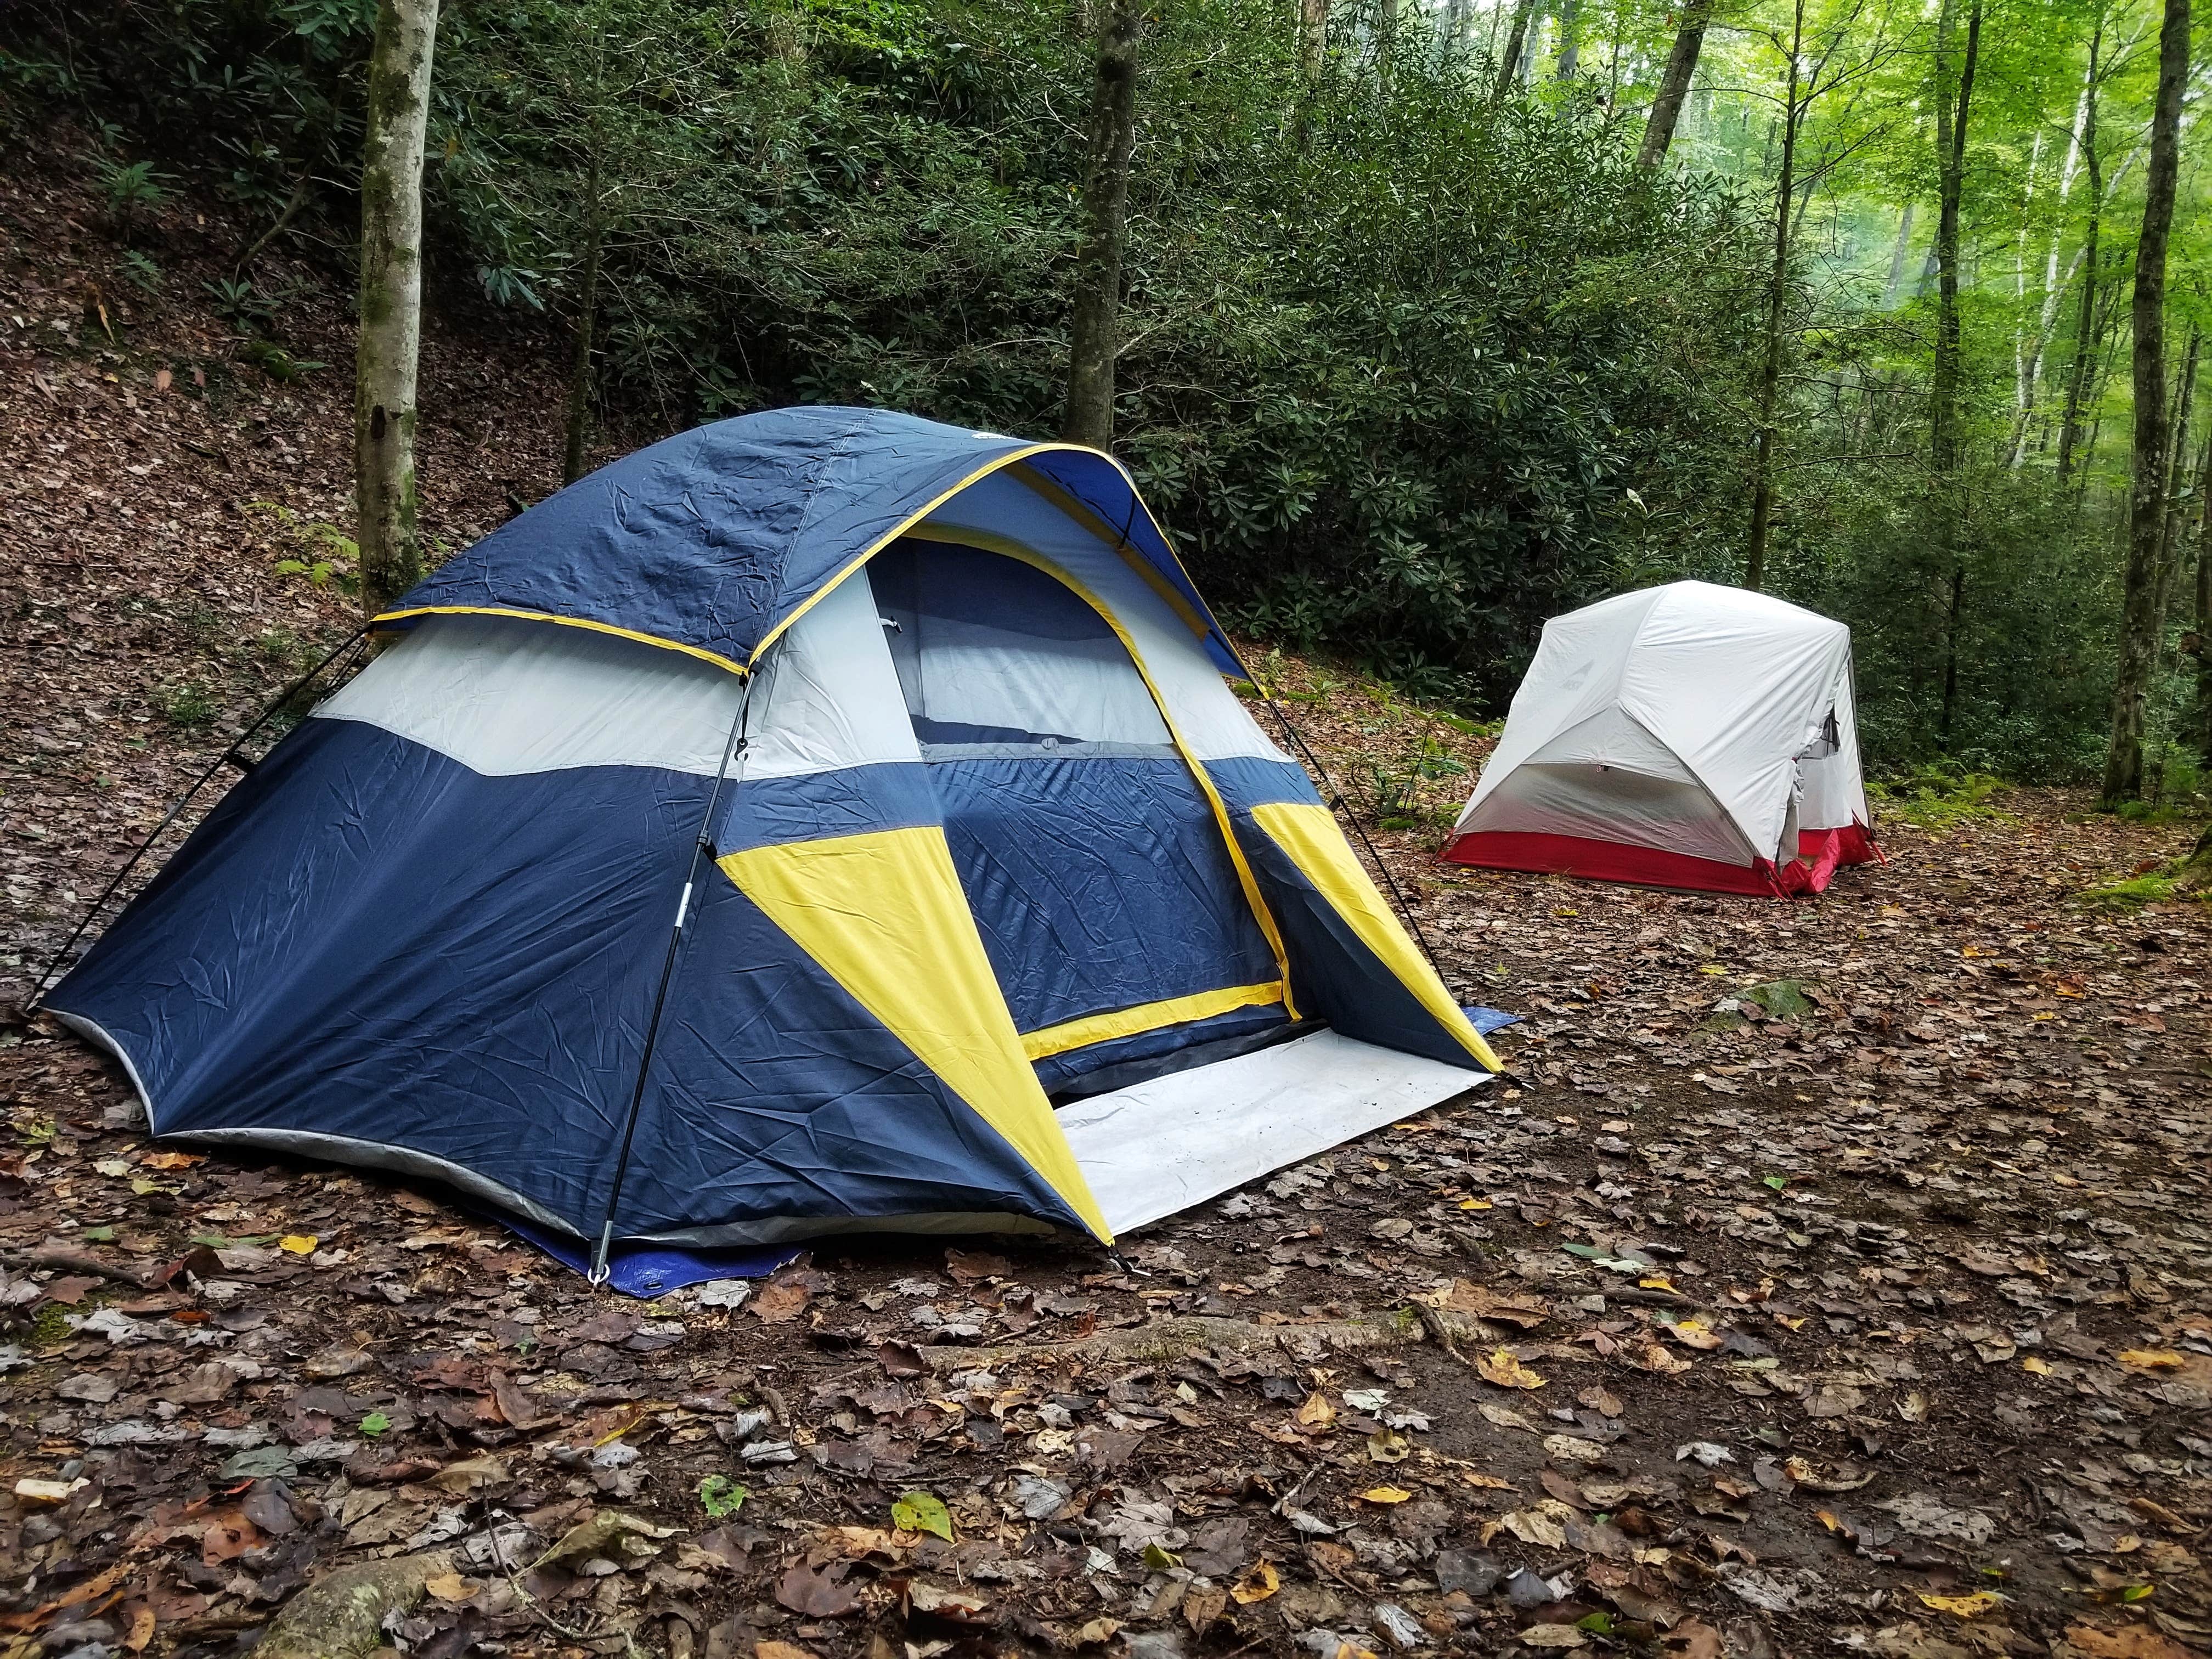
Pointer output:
x,y
39,986
702,842
1337,800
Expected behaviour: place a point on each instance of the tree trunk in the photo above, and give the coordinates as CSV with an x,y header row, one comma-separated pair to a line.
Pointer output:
x,y
587,300
1943,441
2085,326
1313,38
2138,650
1777,291
1095,331
1899,258
1570,51
2174,491
1509,61
2203,620
391,300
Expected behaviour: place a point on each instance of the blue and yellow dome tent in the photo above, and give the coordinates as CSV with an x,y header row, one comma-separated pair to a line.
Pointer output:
x,y
988,828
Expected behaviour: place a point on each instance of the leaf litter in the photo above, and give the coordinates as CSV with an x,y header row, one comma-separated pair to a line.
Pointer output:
x,y
1898,1199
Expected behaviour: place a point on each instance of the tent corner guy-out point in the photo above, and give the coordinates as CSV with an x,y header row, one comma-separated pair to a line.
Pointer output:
x,y
1690,736
1002,914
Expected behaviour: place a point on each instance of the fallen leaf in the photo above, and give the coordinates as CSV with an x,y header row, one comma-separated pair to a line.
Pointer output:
x,y
816,1591
2152,1359
779,1304
1502,1367
2128,1642
1963,1607
1385,1495
1316,1412
1260,1581
298,1244
922,1511
1553,1635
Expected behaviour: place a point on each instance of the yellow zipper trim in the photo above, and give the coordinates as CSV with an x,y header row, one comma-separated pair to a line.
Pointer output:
x,y
1145,570
565,621
1146,1017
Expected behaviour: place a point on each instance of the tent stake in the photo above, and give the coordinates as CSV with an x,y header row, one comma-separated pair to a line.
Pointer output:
x,y
39,986
702,842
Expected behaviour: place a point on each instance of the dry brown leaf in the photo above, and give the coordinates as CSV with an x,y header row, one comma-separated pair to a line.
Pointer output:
x,y
779,1304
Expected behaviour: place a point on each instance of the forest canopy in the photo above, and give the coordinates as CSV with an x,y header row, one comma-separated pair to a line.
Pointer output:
x,y
1420,342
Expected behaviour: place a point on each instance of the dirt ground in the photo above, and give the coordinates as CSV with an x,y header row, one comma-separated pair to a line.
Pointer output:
x,y
1824,1274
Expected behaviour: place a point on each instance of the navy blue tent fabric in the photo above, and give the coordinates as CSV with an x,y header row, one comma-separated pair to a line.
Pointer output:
x,y
1087,876
711,539
369,941
370,950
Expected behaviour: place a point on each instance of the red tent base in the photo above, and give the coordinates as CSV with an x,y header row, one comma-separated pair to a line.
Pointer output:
x,y
1821,851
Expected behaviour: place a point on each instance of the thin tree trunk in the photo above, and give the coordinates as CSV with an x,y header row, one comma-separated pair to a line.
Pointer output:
x,y
2138,649
587,300
1777,291
2054,287
1894,292
2027,349
1509,61
2174,489
2203,621
1674,82
1095,330
2085,343
391,300
1571,50
1951,156
1313,38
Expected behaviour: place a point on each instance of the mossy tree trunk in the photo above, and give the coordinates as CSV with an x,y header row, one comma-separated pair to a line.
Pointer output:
x,y
1674,84
2138,653
1509,61
1095,331
391,300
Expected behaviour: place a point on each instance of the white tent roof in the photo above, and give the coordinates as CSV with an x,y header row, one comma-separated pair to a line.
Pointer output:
x,y
1691,682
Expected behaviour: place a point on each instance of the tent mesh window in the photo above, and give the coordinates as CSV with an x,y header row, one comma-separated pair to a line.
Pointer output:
x,y
1090,856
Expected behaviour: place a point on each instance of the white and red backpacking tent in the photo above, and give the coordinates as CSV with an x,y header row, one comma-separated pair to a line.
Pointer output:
x,y
1684,735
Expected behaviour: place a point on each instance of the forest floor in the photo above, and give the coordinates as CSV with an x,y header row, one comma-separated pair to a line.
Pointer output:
x,y
1833,1273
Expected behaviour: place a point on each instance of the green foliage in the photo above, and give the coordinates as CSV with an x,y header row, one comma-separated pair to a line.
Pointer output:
x,y
1396,795
719,1496
1931,796
190,707
2154,887
321,552
1407,369
131,185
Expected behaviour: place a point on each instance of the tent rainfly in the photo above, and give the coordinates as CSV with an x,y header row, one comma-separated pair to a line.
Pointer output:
x,y
1006,915
1684,735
